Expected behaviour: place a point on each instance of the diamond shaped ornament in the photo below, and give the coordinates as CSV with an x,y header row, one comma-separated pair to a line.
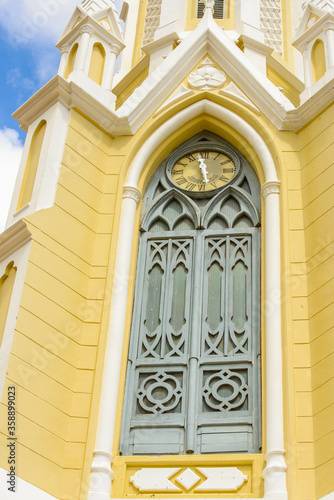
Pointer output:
x,y
188,479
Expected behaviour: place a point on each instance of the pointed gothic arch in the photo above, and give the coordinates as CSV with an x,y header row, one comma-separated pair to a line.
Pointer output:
x,y
97,63
193,374
71,60
318,59
275,471
188,210
30,171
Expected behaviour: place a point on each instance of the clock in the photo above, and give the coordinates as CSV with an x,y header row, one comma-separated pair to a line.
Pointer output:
x,y
203,171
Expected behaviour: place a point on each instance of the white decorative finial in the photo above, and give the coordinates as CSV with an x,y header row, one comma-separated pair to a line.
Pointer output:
x,y
209,4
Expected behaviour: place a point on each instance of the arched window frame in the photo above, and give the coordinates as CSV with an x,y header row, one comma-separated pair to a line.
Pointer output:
x,y
318,63
275,471
7,281
71,60
188,242
31,167
97,67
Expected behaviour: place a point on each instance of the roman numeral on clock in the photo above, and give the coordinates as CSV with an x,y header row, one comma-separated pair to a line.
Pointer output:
x,y
190,186
225,162
181,181
201,187
180,163
177,172
191,157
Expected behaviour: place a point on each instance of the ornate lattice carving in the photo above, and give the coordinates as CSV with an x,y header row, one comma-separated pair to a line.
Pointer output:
x,y
160,392
166,316
225,390
152,20
227,292
271,24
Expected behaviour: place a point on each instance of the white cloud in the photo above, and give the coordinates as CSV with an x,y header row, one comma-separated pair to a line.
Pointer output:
x,y
17,80
35,21
37,24
10,154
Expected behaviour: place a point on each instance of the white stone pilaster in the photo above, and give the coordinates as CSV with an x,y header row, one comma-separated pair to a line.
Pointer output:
x,y
82,55
275,472
63,60
308,74
329,33
109,68
101,473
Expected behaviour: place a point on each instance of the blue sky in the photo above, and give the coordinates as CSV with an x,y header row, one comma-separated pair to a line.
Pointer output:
x,y
29,30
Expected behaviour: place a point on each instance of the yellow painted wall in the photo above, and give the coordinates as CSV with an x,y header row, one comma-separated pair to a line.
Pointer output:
x,y
316,308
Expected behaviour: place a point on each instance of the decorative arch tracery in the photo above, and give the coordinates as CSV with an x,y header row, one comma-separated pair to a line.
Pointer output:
x,y
195,339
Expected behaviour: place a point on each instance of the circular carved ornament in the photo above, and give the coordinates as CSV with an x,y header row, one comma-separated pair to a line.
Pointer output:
x,y
207,77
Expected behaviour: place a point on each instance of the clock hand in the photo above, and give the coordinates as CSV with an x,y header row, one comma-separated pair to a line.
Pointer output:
x,y
203,168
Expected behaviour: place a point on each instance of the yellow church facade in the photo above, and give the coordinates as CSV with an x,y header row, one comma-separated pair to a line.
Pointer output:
x,y
166,272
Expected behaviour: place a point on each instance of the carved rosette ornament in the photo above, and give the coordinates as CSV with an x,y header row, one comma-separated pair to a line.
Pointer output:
x,y
207,77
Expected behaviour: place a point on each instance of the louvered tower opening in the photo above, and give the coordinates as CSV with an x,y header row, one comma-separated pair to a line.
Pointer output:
x,y
218,12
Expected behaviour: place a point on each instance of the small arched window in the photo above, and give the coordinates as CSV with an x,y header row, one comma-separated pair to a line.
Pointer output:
x,y
318,60
71,61
6,289
218,12
97,63
30,171
193,379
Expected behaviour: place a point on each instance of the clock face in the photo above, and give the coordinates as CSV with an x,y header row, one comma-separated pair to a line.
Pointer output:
x,y
203,171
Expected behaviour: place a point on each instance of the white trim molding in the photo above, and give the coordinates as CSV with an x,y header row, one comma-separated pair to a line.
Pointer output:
x,y
275,471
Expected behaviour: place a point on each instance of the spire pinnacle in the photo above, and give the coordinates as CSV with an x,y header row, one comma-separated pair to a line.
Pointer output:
x,y
209,4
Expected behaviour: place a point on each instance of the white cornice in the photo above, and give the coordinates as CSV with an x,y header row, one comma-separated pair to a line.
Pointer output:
x,y
160,43
104,34
296,119
13,238
131,75
279,67
161,83
71,96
